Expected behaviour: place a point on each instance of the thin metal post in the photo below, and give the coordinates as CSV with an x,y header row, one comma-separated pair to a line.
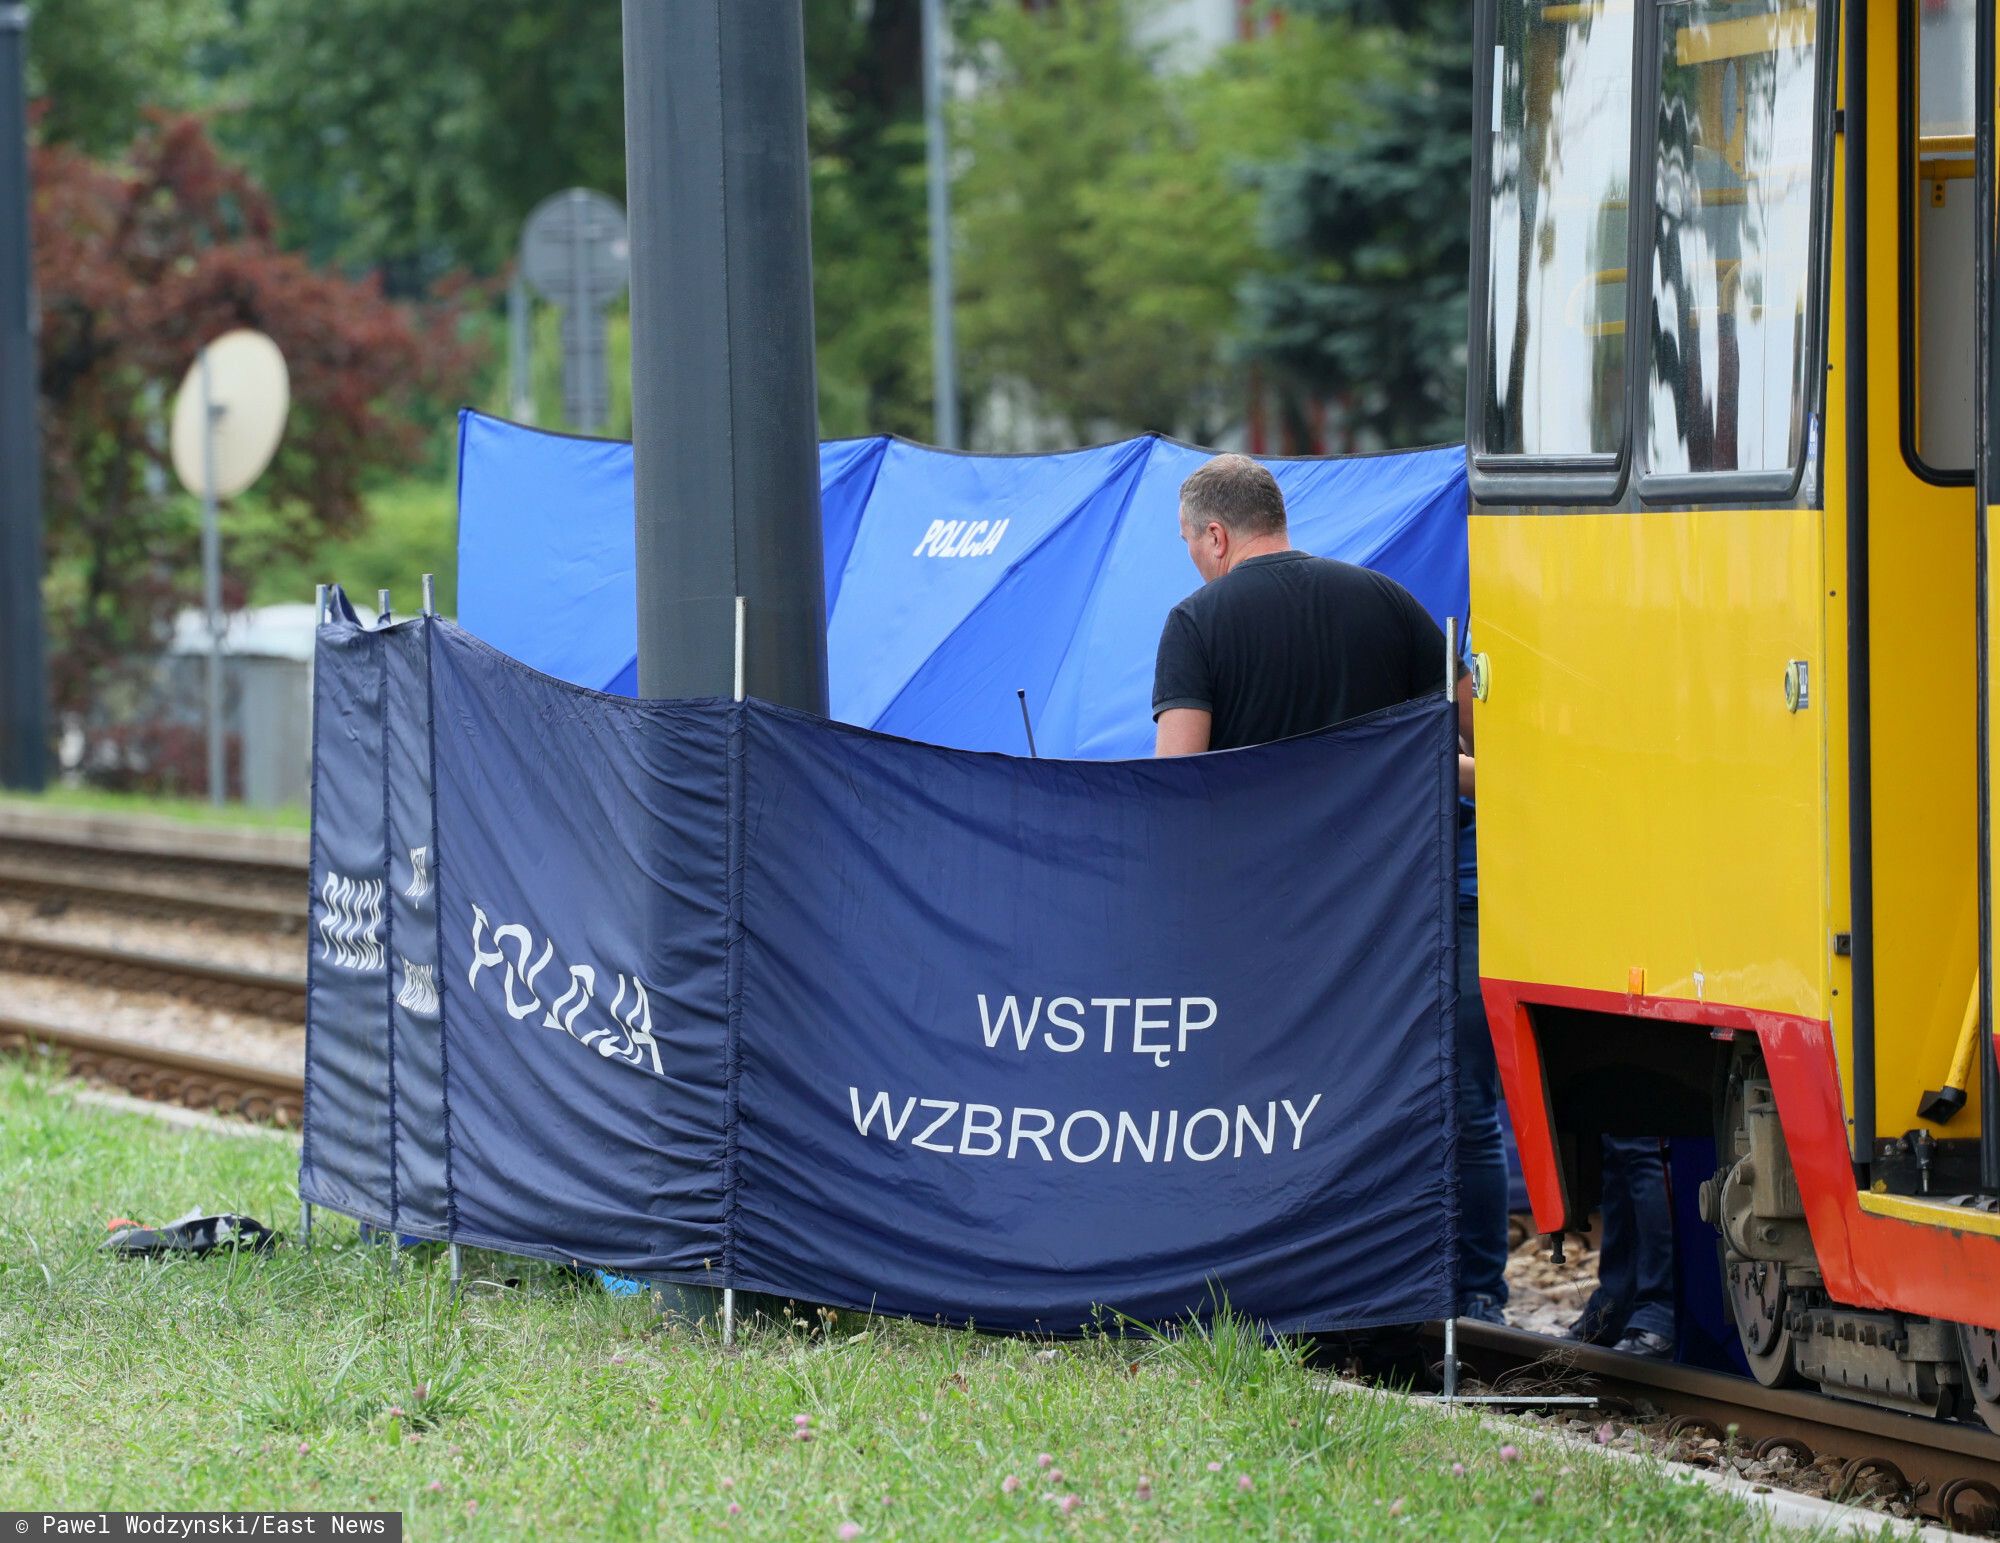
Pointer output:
x,y
430,595
728,1317
742,633
1450,1359
1451,658
306,1225
24,699
457,1270
382,604
520,350
319,605
937,165
211,580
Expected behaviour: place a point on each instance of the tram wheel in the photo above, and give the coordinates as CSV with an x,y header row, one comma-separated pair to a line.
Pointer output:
x,y
1980,1350
1755,1289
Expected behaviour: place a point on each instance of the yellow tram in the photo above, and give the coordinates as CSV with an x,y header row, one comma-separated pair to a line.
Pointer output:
x,y
1731,456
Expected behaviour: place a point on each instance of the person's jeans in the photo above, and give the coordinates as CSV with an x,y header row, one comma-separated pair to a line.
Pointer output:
x,y
1482,1157
1635,1262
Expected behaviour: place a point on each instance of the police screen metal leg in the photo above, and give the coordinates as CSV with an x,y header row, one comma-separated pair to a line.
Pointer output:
x,y
457,1269
305,1224
1450,1324
728,1317
430,595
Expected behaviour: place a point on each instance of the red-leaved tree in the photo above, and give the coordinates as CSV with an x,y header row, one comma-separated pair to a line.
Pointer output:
x,y
138,263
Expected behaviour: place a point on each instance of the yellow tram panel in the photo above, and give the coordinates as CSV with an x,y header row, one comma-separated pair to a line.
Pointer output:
x,y
1647,801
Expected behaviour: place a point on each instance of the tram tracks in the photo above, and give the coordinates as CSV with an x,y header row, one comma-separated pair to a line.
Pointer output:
x,y
161,927
1946,1470
163,1073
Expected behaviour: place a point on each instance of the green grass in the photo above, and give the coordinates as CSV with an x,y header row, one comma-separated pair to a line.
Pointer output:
x,y
198,811
329,1380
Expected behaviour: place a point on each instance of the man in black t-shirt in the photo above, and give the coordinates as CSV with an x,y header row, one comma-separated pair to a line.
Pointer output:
x,y
1278,642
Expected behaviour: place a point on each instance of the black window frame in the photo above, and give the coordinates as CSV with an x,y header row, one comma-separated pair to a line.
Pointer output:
x,y
1908,111
1529,479
1516,480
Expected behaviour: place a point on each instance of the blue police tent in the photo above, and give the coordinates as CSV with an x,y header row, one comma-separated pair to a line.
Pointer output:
x,y
952,580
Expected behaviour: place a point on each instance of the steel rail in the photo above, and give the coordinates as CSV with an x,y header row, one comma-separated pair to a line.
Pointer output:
x,y
264,992
1948,1469
149,897
159,1072
216,865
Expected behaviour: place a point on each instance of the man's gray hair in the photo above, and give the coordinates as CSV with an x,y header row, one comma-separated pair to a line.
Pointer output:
x,y
1236,492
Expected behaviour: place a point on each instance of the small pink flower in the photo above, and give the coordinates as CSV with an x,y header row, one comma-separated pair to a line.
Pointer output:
x,y
1055,1475
848,1531
1042,1460
1510,1453
1396,1507
735,1509
1145,1490
617,1360
412,1439
396,1412
1540,1497
802,1434
423,1391
1604,1434
1458,1470
436,1486
304,1447
728,1483
1009,1484
1067,1504
471,1507
1215,1467
1243,1483
802,1421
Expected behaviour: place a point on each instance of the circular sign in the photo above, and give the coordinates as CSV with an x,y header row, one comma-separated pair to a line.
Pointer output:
x,y
574,249
247,393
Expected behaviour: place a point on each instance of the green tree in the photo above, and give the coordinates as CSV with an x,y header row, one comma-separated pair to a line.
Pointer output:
x,y
1363,303
95,65
415,140
1109,208
138,262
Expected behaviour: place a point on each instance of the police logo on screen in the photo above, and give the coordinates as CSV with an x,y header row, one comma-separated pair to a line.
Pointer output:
x,y
512,962
1158,1029
961,538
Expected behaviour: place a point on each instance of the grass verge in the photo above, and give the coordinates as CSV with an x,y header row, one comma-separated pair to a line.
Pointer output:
x,y
328,1380
195,811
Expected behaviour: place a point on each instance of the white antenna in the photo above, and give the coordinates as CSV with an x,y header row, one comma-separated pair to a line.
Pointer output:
x,y
228,418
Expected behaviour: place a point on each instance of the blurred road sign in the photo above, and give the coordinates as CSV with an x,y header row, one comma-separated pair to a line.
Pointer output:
x,y
228,418
238,391
575,253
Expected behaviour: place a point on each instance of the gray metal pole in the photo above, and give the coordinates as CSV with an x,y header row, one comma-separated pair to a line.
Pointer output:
x,y
211,584
24,710
724,417
937,156
520,351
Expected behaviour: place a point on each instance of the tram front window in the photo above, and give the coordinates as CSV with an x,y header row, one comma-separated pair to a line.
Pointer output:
x,y
1555,280
1726,378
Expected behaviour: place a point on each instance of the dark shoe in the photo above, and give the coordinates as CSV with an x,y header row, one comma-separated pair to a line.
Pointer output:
x,y
195,1234
1596,1326
1644,1342
1482,1307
